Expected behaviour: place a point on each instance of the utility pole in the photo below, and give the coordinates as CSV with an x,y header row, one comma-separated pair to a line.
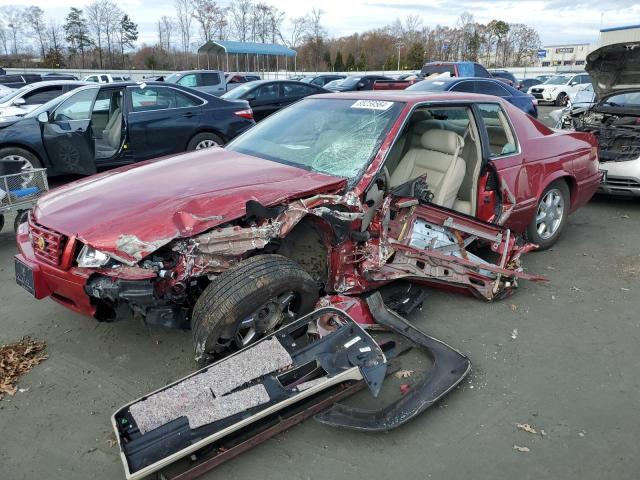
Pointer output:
x,y
399,45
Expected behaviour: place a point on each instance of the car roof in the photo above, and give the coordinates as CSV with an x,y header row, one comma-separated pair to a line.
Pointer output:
x,y
410,97
57,82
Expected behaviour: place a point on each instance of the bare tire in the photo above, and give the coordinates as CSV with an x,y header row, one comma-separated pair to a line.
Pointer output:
x,y
249,301
550,216
562,99
204,140
1,221
27,159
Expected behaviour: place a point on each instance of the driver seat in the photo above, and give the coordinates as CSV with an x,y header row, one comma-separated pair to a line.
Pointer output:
x,y
440,159
108,145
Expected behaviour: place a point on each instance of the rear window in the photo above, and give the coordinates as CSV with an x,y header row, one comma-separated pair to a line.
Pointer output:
x,y
431,69
210,78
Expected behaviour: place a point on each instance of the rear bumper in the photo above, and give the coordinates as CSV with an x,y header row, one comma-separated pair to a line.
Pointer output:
x,y
64,286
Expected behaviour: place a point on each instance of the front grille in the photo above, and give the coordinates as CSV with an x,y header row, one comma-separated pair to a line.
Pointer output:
x,y
622,183
537,90
47,244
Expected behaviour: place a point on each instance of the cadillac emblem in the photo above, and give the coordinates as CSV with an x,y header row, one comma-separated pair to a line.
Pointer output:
x,y
39,243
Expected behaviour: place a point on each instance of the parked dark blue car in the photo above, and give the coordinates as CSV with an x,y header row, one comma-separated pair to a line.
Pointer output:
x,y
486,86
107,125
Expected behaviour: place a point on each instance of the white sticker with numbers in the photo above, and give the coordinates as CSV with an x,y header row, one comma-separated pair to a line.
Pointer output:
x,y
372,104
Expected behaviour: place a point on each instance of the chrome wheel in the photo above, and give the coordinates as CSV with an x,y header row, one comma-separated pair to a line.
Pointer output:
x,y
265,319
550,214
205,144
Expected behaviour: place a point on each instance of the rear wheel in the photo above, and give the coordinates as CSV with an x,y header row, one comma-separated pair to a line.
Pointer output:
x,y
551,215
204,140
249,301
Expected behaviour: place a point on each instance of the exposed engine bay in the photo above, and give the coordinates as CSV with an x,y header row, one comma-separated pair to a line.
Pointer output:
x,y
618,134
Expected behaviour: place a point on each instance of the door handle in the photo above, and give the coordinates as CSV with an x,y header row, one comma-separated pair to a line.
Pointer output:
x,y
188,114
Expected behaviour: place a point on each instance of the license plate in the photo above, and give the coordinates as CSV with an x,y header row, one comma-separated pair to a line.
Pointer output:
x,y
24,277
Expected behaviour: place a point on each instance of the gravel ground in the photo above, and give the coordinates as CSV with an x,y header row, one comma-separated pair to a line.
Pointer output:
x,y
561,356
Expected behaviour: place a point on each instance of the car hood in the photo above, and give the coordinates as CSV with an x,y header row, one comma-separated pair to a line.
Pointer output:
x,y
614,67
9,120
132,211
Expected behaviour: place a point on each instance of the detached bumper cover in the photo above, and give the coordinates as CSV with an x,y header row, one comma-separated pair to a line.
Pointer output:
x,y
450,367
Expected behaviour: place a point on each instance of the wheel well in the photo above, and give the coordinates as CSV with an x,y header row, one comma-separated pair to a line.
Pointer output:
x,y
571,183
307,246
207,130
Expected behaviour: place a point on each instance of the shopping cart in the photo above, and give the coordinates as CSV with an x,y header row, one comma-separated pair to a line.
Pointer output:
x,y
19,190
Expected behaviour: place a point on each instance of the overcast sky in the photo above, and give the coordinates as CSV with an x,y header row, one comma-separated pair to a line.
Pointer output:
x,y
557,21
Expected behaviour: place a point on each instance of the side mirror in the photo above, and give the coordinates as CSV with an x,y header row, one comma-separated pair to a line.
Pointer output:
x,y
19,102
361,85
250,98
43,117
573,84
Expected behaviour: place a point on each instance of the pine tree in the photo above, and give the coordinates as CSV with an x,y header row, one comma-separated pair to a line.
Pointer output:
x,y
415,57
128,34
77,32
351,62
362,62
338,65
326,57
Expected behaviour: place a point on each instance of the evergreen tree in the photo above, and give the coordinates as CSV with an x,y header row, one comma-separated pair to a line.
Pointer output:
x,y
351,62
326,57
415,57
338,65
362,62
77,32
128,34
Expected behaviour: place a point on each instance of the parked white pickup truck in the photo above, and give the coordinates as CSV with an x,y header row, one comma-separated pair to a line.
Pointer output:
x,y
106,78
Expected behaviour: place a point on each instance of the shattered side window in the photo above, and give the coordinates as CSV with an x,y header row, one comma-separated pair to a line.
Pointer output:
x,y
337,137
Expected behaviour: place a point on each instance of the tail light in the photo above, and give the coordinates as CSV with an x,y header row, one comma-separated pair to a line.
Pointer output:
x,y
246,113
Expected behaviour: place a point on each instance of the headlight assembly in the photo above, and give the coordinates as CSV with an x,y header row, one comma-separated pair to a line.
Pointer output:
x,y
89,257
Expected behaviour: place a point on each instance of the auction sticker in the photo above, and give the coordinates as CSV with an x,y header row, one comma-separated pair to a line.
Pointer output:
x,y
372,104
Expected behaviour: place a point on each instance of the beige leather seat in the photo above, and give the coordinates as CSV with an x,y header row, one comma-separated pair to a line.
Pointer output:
x,y
439,158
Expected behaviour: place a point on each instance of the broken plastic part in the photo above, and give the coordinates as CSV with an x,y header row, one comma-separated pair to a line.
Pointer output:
x,y
450,367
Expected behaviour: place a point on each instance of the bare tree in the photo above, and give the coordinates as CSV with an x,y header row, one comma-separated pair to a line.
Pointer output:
x,y
165,32
240,11
297,32
184,14
210,18
112,17
14,17
95,21
34,18
4,37
55,36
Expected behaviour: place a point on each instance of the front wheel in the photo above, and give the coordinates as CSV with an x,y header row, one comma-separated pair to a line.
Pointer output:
x,y
204,140
562,99
249,301
551,215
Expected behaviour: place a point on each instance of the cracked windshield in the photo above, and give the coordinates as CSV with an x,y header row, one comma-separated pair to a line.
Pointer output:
x,y
336,137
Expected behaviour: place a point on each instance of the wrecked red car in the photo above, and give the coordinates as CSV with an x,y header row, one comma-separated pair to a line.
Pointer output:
x,y
335,196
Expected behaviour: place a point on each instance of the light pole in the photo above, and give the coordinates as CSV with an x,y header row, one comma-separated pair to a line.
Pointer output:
x,y
399,45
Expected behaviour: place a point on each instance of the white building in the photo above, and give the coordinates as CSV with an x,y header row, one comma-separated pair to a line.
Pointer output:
x,y
568,55
629,33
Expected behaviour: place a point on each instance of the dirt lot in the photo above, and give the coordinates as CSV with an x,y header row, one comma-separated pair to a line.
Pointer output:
x,y
571,370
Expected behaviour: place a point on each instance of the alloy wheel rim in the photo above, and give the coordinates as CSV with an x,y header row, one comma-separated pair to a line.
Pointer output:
x,y
26,167
205,144
550,213
265,319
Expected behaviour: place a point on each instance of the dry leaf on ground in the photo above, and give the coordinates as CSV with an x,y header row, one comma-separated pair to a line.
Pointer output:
x,y
403,373
16,359
526,427
521,449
